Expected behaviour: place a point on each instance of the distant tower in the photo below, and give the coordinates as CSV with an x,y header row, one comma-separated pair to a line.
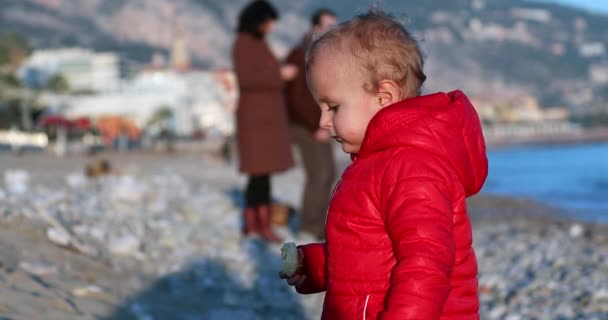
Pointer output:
x,y
180,57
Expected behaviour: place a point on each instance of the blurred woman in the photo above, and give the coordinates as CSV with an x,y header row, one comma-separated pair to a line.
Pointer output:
x,y
261,117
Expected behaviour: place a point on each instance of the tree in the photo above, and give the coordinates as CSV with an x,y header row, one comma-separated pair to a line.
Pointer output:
x,y
161,119
58,83
14,48
18,99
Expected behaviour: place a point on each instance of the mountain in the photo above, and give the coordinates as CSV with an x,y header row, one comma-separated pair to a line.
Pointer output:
x,y
492,48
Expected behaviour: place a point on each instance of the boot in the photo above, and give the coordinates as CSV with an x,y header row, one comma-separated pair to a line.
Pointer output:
x,y
250,222
264,219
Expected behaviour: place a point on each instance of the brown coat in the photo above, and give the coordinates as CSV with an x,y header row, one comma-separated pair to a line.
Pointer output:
x,y
301,107
261,117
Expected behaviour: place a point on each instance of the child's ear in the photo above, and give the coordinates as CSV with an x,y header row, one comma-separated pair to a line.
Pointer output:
x,y
388,93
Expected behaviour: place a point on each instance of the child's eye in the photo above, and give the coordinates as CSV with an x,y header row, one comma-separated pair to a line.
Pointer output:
x,y
332,108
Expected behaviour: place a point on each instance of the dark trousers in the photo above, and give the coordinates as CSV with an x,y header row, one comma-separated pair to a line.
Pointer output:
x,y
257,192
318,161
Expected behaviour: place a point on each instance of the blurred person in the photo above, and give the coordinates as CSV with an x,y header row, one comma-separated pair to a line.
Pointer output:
x,y
399,239
261,117
312,141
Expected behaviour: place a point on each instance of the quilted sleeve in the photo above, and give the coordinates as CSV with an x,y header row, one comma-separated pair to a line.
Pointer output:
x,y
418,217
314,268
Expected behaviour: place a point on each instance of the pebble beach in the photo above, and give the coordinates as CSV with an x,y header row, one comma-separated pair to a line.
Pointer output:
x,y
159,239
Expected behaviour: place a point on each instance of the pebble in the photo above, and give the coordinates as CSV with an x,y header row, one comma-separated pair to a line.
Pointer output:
x,y
9,257
523,275
125,245
58,237
39,268
16,181
576,230
88,291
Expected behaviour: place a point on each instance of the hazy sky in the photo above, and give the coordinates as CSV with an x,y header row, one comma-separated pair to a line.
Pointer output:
x,y
592,5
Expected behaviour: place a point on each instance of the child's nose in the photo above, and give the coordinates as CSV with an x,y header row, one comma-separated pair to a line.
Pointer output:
x,y
326,121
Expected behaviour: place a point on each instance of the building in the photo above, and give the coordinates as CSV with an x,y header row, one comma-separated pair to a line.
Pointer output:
x,y
189,101
522,118
84,70
198,101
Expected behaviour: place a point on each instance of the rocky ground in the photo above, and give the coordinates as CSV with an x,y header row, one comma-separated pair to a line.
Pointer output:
x,y
159,240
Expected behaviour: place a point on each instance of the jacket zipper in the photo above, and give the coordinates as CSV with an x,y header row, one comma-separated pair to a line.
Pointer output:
x,y
365,307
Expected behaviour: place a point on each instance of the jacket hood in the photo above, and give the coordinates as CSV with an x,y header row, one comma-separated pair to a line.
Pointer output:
x,y
443,124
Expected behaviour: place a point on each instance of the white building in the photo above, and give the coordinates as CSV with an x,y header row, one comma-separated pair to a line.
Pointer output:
x,y
598,73
592,49
537,15
198,100
84,69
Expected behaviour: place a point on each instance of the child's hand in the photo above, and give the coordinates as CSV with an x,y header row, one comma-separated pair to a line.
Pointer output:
x,y
295,280
298,277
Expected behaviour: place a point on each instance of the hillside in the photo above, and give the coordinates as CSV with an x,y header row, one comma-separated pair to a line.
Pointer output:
x,y
487,47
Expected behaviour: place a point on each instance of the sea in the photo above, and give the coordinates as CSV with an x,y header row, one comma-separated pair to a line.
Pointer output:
x,y
570,177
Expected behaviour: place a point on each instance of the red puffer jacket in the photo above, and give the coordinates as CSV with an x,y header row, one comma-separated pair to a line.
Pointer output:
x,y
399,241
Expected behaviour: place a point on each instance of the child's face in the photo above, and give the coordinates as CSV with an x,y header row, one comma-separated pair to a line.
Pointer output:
x,y
346,108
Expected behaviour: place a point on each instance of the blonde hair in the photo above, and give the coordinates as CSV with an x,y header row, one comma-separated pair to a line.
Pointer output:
x,y
383,47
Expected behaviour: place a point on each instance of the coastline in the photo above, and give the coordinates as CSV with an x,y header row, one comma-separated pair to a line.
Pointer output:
x,y
485,205
587,136
492,209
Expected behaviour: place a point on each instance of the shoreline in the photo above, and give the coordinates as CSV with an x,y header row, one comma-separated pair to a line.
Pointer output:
x,y
497,206
587,136
487,209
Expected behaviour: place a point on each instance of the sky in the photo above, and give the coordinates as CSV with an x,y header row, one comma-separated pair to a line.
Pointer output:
x,y
591,5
